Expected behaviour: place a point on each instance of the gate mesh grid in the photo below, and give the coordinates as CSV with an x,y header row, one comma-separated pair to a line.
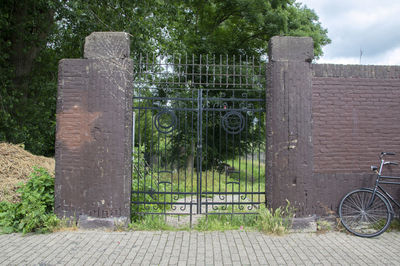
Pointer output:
x,y
199,135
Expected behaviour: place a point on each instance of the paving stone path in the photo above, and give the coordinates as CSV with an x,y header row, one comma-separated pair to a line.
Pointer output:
x,y
197,248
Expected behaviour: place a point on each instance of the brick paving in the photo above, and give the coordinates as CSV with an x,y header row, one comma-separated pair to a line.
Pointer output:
x,y
197,248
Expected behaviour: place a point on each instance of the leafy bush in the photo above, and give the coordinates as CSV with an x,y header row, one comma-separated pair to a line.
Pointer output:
x,y
34,213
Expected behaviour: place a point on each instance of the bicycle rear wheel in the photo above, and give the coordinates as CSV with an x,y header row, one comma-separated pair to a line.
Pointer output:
x,y
363,218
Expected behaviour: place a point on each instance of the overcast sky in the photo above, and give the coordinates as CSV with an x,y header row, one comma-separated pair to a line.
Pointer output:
x,y
370,25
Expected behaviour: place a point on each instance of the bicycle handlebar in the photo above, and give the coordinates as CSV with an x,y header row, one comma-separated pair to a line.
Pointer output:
x,y
394,163
387,153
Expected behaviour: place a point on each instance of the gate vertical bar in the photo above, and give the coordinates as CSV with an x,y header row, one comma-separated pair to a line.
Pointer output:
x,y
133,138
199,147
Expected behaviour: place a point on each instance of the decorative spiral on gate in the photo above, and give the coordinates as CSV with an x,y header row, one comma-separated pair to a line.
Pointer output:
x,y
175,197
233,122
165,121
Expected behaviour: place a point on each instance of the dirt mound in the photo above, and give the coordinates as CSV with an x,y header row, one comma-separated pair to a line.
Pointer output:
x,y
16,164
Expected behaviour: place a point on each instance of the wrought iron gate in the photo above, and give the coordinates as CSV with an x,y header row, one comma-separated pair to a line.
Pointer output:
x,y
199,137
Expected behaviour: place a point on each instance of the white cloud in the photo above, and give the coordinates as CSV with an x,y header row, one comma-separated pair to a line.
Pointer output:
x,y
339,60
391,57
369,25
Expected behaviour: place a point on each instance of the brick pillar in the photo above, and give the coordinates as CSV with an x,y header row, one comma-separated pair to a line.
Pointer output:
x,y
94,133
289,122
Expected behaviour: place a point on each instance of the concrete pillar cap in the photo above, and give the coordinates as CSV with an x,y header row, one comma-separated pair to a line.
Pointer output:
x,y
100,45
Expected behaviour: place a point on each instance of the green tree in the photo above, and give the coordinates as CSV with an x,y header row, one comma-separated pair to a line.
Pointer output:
x,y
28,73
239,26
35,35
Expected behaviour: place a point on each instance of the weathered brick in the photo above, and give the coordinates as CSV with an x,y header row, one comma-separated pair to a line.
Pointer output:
x,y
93,139
356,115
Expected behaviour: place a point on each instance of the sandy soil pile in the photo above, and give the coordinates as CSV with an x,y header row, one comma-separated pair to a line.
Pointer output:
x,y
16,164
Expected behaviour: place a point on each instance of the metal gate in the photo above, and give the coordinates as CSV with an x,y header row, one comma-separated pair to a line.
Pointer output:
x,y
199,140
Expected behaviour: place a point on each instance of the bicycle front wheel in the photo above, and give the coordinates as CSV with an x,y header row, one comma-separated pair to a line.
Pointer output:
x,y
363,217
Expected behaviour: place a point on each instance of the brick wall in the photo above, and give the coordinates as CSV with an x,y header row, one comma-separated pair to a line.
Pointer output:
x,y
356,115
326,124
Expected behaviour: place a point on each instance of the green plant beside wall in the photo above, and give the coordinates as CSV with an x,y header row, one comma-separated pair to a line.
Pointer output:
x,y
35,211
276,221
153,223
227,222
269,221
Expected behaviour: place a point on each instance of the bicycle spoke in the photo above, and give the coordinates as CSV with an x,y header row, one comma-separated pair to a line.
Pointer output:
x,y
362,216
353,204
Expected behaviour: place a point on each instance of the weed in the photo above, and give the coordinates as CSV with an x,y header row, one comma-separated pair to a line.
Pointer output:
x,y
269,221
66,224
394,225
323,226
151,223
339,226
226,222
276,221
119,225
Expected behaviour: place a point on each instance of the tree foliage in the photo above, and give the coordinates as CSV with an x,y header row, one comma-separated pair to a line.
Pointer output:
x,y
35,35
240,26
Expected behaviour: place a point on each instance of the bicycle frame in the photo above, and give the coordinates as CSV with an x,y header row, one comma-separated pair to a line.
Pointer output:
x,y
381,180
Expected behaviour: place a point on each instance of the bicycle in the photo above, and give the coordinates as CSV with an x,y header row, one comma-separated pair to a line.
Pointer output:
x,y
367,212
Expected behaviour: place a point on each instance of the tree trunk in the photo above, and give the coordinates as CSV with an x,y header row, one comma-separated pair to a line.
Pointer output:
x,y
30,27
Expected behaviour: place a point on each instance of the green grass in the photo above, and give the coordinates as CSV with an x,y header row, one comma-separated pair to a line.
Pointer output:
x,y
224,222
210,183
276,221
249,176
186,180
323,226
153,223
394,225
269,221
